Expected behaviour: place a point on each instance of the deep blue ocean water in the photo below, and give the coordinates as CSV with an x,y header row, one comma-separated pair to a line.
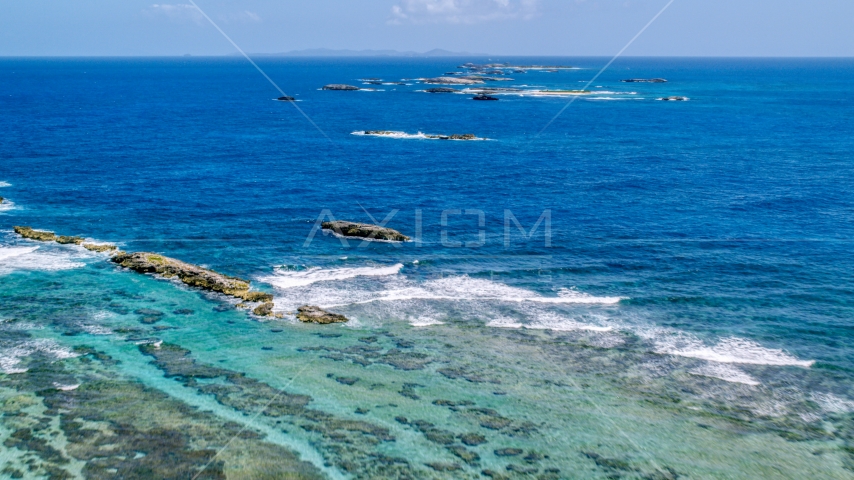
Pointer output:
x,y
715,231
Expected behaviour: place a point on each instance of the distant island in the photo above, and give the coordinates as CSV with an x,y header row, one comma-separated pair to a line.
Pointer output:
x,y
327,52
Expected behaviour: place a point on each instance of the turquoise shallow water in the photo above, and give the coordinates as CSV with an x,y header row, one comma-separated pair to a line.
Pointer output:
x,y
687,314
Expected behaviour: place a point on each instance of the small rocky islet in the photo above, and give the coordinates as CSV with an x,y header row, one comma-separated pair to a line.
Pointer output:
x,y
365,231
340,86
395,134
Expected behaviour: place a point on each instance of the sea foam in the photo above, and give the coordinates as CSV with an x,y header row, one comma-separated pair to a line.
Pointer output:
x,y
299,278
726,350
11,357
32,258
725,372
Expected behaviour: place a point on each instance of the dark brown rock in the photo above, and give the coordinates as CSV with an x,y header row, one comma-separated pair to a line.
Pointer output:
x,y
264,310
364,230
192,275
65,240
312,314
38,235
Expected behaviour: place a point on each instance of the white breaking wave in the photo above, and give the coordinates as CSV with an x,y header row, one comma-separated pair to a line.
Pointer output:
x,y
5,184
10,252
6,205
726,372
425,322
65,388
614,98
467,288
300,278
504,322
392,134
833,404
96,330
408,136
10,358
30,258
381,293
727,350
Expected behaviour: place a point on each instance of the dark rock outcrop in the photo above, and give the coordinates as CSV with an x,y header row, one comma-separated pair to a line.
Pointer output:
x,y
264,310
69,240
674,99
94,247
286,99
339,86
312,314
441,90
483,97
37,235
364,230
195,276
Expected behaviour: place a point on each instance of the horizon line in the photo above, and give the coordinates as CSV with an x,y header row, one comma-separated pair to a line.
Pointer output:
x,y
230,55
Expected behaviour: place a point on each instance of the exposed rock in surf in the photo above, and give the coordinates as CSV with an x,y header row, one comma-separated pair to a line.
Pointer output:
x,y
65,240
39,235
286,99
394,134
2,199
644,80
312,314
364,230
195,276
264,310
441,90
483,97
339,86
673,99
94,247
454,81
457,136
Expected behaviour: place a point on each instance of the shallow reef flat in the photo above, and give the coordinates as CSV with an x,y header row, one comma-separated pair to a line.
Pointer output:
x,y
379,401
78,419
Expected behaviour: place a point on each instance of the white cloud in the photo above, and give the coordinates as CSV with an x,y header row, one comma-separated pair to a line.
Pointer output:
x,y
461,11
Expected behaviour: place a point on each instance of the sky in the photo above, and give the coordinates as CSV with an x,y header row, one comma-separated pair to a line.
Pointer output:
x,y
498,27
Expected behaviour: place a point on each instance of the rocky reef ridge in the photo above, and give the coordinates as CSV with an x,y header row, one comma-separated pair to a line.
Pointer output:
x,y
146,262
364,230
195,276
313,314
339,86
